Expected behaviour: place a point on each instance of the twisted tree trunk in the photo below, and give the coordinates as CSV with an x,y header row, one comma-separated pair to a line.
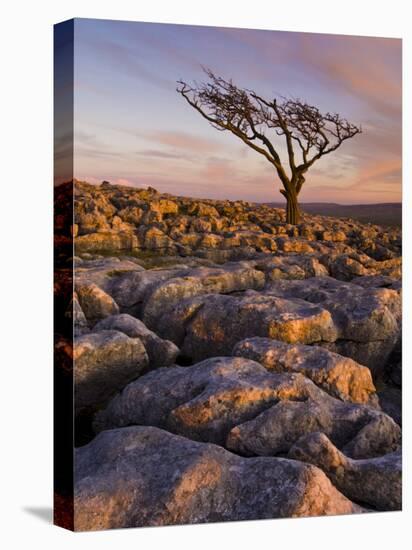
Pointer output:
x,y
292,205
292,209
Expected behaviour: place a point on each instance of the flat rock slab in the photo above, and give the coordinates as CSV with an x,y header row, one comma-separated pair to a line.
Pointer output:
x,y
237,402
101,271
377,482
233,277
143,476
104,362
338,375
150,292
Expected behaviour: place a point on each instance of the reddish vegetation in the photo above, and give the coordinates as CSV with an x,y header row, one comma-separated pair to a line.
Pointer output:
x,y
63,511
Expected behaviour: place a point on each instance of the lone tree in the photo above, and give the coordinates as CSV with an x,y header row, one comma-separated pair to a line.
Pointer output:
x,y
309,134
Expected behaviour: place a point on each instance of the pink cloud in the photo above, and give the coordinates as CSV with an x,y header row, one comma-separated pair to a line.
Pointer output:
x,y
376,181
352,63
122,181
183,140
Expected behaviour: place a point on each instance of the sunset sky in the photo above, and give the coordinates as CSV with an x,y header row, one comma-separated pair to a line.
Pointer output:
x,y
132,127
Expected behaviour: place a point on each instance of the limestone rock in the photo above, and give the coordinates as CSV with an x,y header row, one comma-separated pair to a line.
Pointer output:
x,y
101,271
376,482
156,239
123,218
390,401
143,476
131,214
105,241
95,303
379,281
292,267
297,245
367,319
161,352
75,313
202,280
222,321
202,402
264,412
360,431
344,267
164,206
338,375
104,362
130,289
202,210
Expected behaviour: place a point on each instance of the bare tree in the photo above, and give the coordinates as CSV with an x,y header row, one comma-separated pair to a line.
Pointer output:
x,y
308,134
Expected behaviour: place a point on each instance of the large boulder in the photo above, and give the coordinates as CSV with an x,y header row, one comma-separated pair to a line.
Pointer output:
x,y
104,362
143,476
377,482
338,375
357,322
367,319
161,352
217,322
360,431
361,314
262,412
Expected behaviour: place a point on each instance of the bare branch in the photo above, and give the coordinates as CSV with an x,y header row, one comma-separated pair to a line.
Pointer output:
x,y
251,118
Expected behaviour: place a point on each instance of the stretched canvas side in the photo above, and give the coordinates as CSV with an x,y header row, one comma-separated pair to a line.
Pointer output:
x,y
63,274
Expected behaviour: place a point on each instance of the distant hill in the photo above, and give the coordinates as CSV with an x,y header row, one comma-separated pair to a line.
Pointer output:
x,y
381,214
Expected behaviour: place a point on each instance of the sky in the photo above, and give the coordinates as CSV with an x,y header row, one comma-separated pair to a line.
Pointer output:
x,y
132,127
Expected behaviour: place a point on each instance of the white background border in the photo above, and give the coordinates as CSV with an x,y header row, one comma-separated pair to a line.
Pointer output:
x,y
26,270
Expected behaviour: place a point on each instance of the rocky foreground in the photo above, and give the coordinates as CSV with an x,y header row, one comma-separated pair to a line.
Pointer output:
x,y
229,366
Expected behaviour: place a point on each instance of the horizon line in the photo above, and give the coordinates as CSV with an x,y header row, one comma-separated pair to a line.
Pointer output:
x,y
269,202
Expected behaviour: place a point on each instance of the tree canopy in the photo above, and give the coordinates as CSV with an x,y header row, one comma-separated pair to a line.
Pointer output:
x,y
258,122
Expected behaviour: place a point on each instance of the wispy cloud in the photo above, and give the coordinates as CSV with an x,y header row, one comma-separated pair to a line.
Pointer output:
x,y
126,61
168,155
133,126
183,140
357,65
